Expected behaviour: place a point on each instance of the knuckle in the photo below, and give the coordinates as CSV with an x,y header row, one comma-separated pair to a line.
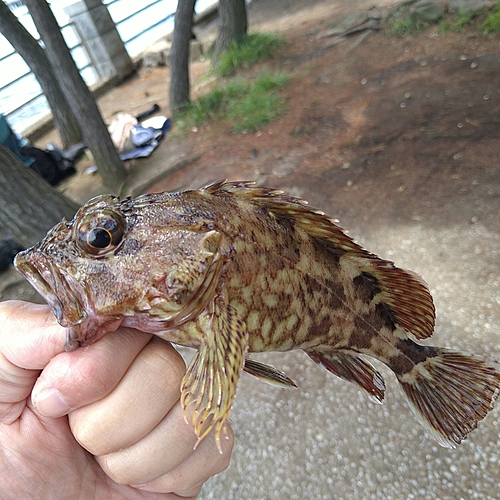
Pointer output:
x,y
117,469
169,362
87,434
84,381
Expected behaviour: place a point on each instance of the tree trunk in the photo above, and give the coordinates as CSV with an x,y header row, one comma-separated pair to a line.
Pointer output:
x,y
179,57
78,95
29,206
233,25
34,55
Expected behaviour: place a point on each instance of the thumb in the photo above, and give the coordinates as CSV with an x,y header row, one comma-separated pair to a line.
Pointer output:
x,y
29,338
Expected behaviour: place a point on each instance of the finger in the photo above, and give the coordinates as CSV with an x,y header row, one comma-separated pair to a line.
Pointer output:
x,y
188,477
75,379
167,446
29,338
29,334
145,394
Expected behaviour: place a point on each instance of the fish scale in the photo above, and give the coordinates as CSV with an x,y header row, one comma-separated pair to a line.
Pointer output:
x,y
232,269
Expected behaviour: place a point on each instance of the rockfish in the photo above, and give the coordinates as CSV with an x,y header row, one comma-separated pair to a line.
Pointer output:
x,y
231,269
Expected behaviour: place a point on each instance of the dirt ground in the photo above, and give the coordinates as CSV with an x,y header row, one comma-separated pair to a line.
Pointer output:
x,y
373,120
366,125
398,138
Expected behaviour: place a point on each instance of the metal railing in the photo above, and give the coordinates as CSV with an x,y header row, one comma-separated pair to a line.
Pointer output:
x,y
28,72
133,21
29,96
146,6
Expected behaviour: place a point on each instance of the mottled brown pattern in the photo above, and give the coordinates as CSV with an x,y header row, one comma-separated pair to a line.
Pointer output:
x,y
278,259
366,286
231,268
384,316
410,354
361,338
129,247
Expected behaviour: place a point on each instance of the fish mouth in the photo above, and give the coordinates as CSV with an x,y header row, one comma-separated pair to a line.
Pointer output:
x,y
50,283
66,297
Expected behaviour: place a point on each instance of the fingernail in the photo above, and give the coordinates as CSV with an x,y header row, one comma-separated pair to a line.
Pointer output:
x,y
50,403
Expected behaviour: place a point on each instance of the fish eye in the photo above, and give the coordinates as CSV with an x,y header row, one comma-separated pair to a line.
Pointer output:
x,y
99,238
100,232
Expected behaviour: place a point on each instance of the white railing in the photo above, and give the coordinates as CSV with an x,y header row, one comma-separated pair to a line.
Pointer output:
x,y
21,98
139,25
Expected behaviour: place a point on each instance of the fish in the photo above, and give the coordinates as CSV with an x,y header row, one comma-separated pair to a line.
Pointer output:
x,y
232,269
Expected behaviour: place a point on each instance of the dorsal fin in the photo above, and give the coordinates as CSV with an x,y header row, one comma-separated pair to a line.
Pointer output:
x,y
313,221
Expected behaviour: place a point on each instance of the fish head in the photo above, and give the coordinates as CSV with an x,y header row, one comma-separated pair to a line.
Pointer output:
x,y
116,263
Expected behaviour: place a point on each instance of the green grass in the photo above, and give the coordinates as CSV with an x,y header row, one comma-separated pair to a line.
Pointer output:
x,y
491,25
247,106
253,48
458,22
406,25
464,18
402,22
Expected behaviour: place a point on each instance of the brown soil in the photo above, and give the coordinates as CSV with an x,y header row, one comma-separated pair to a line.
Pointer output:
x,y
382,128
402,126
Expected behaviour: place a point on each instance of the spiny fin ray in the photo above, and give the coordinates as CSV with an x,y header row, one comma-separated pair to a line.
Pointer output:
x,y
352,368
268,374
209,385
313,221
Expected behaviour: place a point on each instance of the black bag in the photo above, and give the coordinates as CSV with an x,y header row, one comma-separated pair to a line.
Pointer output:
x,y
50,164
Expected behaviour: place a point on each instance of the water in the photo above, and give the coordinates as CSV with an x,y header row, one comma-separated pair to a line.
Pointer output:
x,y
14,94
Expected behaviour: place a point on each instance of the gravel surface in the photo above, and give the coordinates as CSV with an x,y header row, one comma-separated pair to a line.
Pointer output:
x,y
327,440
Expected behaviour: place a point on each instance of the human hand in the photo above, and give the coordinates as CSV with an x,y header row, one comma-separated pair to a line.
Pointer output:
x,y
117,421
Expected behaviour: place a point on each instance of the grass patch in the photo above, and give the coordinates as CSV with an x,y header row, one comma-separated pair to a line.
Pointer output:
x,y
491,25
253,48
402,22
407,25
458,21
248,106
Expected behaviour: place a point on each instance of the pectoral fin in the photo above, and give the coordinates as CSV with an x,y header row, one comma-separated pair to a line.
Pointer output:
x,y
268,374
352,368
209,386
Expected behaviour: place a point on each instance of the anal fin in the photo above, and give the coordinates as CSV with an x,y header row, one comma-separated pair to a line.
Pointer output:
x,y
268,374
352,368
209,385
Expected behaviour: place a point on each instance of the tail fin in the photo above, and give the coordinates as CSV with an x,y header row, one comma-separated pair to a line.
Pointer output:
x,y
451,392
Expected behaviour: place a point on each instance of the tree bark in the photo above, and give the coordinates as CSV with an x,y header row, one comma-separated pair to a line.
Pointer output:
x,y
29,206
233,25
36,59
179,57
78,95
